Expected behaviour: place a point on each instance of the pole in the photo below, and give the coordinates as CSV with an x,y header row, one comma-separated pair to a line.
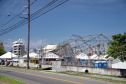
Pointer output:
x,y
28,34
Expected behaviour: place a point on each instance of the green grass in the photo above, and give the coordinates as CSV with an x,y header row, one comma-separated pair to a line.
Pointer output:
x,y
7,80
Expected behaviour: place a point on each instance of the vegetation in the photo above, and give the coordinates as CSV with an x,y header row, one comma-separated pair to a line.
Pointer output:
x,y
6,80
2,51
117,47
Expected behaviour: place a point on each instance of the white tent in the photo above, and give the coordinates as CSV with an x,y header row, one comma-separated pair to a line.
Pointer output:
x,y
31,55
8,55
82,56
119,65
94,56
103,57
49,48
51,55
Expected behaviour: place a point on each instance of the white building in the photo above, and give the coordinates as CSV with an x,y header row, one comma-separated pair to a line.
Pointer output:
x,y
18,47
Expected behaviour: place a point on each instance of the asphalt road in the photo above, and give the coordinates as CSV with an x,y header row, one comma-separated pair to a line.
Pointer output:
x,y
39,77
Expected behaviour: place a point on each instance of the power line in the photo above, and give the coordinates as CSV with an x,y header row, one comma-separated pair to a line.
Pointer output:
x,y
4,8
15,16
6,43
49,10
34,15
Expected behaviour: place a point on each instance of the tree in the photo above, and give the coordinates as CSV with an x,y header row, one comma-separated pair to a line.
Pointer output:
x,y
2,51
117,47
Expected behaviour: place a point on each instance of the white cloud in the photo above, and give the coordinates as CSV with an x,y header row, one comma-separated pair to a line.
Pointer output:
x,y
9,39
33,44
7,45
37,43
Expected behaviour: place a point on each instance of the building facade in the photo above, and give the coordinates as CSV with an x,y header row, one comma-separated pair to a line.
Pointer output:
x,y
1,45
18,47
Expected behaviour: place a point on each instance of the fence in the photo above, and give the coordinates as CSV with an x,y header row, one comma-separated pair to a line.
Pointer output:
x,y
87,63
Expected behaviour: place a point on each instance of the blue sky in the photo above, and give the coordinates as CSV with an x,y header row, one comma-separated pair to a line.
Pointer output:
x,y
79,17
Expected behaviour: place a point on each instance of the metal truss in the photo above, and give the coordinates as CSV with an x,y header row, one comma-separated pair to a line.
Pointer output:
x,y
88,44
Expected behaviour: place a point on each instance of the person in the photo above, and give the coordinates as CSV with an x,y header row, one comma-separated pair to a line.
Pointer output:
x,y
0,61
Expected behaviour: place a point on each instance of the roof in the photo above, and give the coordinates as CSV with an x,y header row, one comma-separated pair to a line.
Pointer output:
x,y
49,48
20,41
51,55
119,65
31,55
8,55
95,56
82,56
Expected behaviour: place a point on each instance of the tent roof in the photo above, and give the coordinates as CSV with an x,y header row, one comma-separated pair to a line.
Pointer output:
x,y
8,55
95,56
32,55
82,56
49,48
51,55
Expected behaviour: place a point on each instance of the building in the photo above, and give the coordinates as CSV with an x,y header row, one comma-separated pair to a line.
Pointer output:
x,y
1,45
18,48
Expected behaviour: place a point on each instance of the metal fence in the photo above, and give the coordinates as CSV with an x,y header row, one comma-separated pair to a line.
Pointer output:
x,y
88,63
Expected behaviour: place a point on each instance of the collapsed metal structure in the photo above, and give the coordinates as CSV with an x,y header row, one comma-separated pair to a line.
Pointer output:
x,y
88,44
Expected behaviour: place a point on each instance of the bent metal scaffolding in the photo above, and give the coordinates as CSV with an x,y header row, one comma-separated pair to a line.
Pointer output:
x,y
88,44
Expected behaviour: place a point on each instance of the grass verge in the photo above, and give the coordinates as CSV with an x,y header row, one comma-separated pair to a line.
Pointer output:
x,y
7,80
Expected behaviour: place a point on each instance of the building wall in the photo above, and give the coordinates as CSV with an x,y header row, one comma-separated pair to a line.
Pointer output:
x,y
22,50
1,45
18,48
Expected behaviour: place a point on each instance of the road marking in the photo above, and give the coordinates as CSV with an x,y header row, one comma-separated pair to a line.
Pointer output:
x,y
45,76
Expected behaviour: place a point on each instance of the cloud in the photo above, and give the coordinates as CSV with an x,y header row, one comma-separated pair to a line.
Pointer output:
x,y
7,45
9,39
37,43
33,44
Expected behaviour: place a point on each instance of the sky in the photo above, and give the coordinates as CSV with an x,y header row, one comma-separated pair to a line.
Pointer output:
x,y
79,17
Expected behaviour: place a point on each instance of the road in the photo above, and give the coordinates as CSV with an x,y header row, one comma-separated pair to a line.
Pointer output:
x,y
40,77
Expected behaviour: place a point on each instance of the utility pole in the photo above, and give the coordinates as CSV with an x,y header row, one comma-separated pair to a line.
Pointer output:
x,y
28,34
